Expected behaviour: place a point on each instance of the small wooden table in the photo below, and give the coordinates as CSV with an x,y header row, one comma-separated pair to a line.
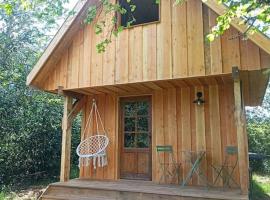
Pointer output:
x,y
195,159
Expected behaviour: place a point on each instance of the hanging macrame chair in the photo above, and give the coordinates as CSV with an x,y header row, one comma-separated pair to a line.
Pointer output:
x,y
93,148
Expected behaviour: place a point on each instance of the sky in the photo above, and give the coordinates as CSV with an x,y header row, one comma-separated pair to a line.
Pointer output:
x,y
71,4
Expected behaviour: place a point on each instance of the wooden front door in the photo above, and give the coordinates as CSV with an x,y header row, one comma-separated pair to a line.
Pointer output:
x,y
135,137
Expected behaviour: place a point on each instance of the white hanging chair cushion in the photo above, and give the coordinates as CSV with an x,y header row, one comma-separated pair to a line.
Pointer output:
x,y
93,146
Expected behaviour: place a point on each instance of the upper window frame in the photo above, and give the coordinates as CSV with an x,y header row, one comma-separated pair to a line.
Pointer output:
x,y
142,24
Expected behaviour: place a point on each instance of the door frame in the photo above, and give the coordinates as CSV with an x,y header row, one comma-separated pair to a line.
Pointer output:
x,y
120,130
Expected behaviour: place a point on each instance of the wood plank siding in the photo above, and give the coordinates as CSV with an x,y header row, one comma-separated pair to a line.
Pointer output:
x,y
175,47
176,121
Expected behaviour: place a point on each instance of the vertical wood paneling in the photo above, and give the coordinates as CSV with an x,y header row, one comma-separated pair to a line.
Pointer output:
x,y
195,38
215,48
69,68
150,52
110,126
154,142
264,59
81,78
135,73
101,100
200,131
74,60
164,43
193,128
165,126
186,127
172,48
121,62
250,55
96,61
215,132
158,128
179,134
109,64
87,56
208,137
223,119
207,44
57,75
230,50
172,123
109,54
179,40
64,70
232,137
177,121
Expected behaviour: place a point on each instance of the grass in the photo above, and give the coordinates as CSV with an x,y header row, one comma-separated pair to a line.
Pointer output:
x,y
29,189
2,195
261,187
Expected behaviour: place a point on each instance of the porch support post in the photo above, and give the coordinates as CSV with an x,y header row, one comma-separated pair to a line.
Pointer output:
x,y
66,140
242,140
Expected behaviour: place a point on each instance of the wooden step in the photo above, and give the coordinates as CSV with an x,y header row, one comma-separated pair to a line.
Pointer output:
x,y
81,192
68,197
131,190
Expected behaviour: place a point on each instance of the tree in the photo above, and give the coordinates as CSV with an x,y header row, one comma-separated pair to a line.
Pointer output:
x,y
30,141
254,13
258,128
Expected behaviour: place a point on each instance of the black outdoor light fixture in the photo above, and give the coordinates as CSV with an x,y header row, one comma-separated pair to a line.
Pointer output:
x,y
199,101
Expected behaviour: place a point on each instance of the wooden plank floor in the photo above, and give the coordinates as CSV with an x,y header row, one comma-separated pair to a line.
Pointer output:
x,y
148,187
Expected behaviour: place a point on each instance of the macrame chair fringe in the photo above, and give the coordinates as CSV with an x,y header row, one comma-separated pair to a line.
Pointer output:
x,y
93,149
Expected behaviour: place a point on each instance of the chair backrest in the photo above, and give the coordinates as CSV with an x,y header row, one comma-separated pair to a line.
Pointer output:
x,y
165,148
231,150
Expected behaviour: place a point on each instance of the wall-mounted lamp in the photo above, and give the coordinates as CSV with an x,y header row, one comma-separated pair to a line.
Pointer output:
x,y
199,101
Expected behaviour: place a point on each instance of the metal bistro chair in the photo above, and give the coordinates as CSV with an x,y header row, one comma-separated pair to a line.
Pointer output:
x,y
226,170
171,169
195,159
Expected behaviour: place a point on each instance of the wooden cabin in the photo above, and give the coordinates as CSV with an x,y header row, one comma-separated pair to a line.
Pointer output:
x,y
161,63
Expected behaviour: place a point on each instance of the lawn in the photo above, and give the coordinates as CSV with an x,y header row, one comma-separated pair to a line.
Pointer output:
x,y
261,187
31,190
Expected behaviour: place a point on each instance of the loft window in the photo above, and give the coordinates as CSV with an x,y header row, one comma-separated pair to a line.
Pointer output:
x,y
146,11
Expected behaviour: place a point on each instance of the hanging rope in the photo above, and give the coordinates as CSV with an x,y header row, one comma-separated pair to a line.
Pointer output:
x,y
94,147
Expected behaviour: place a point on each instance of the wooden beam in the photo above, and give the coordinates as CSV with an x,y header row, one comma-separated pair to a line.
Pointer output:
x,y
76,108
242,141
68,93
66,140
258,38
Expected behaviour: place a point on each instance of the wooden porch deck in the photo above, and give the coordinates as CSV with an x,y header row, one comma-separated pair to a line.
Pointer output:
x,y
133,190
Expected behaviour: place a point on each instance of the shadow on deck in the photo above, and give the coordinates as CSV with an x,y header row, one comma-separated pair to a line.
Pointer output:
x,y
133,190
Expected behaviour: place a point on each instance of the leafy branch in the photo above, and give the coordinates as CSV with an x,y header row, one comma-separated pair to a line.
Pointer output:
x,y
254,13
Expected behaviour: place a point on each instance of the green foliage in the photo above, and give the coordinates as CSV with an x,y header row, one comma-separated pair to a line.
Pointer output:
x,y
258,128
30,120
259,142
106,22
260,187
256,14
